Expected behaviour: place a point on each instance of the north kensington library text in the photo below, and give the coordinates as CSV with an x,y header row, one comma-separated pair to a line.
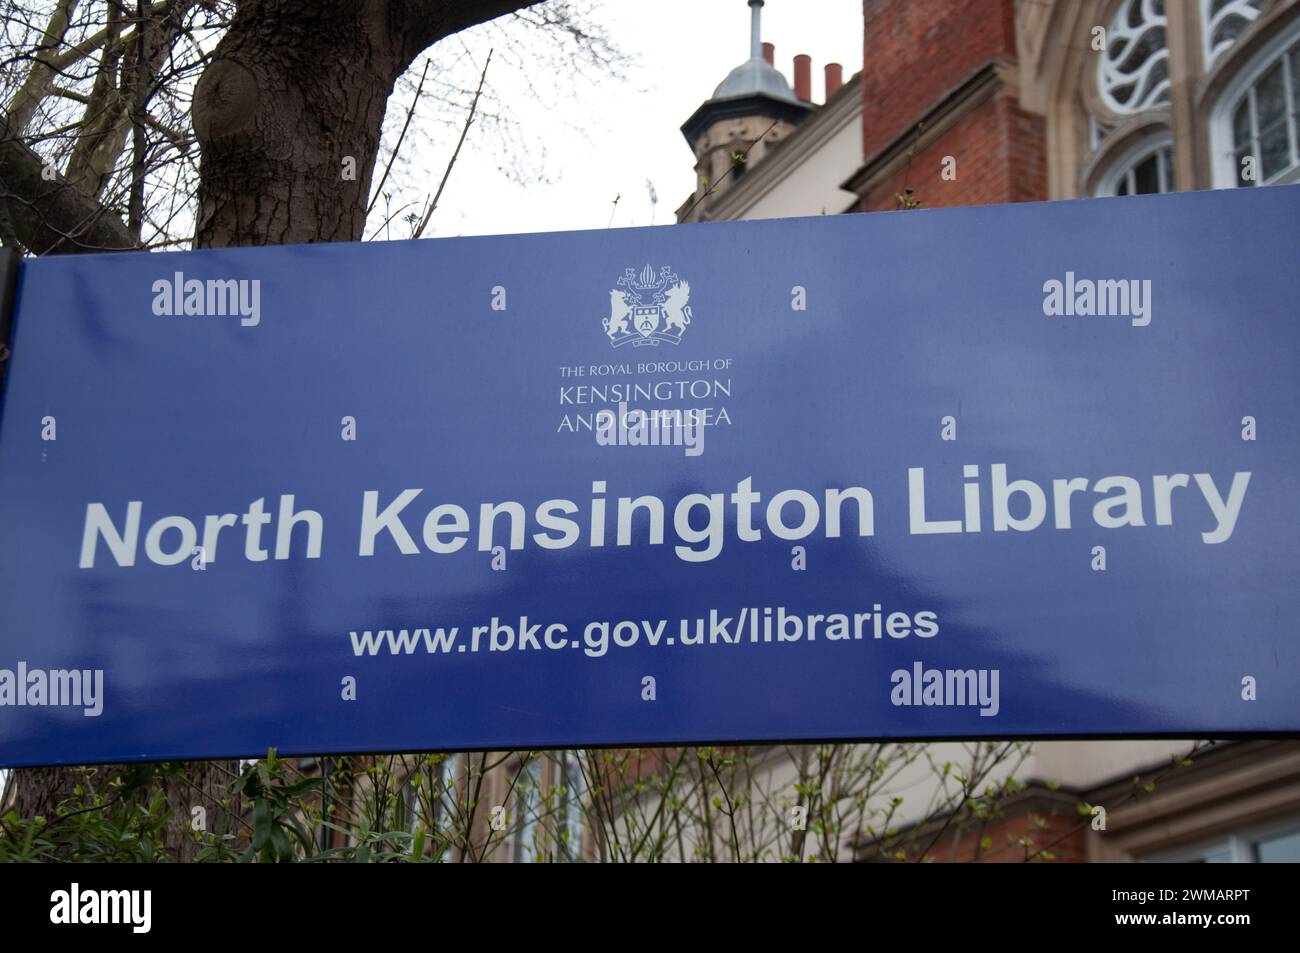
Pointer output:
x,y
399,521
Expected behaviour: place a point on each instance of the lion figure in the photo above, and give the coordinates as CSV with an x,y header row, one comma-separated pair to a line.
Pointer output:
x,y
677,313
619,312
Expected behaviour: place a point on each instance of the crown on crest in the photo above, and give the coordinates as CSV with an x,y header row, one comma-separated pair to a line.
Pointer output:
x,y
647,283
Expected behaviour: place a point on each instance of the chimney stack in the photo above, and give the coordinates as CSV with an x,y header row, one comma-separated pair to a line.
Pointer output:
x,y
803,77
769,54
834,79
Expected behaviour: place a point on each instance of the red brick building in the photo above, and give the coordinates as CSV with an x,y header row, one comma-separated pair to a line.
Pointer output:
x,y
969,102
938,81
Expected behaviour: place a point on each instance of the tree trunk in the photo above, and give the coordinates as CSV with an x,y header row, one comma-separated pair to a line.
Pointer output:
x,y
289,113
295,89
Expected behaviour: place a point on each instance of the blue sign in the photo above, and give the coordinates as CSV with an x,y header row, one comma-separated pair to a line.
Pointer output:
x,y
1002,472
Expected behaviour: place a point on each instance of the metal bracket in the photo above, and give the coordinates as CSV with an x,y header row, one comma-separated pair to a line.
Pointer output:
x,y
9,261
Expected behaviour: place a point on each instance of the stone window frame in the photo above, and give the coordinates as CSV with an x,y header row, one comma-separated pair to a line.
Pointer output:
x,y
1124,164
1125,146
1238,845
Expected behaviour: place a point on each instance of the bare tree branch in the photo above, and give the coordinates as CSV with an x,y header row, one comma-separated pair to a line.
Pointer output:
x,y
48,215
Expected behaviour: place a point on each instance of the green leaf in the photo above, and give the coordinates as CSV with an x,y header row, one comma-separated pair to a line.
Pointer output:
x,y
293,790
282,849
261,823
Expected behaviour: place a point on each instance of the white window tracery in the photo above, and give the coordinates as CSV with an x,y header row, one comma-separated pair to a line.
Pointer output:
x,y
1222,21
1133,69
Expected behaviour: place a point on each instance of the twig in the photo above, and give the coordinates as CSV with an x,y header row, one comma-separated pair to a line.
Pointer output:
x,y
385,223
731,807
473,107
398,148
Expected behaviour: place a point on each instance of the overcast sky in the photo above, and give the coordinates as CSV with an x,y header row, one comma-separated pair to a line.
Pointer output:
x,y
613,135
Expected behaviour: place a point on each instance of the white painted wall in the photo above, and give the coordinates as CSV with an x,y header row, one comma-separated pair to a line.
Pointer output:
x,y
1088,763
813,186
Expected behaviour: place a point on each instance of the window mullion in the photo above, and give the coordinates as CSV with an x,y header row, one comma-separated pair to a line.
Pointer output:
x,y
1256,148
1240,847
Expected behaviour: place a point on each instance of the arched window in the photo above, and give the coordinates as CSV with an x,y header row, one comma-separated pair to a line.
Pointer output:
x,y
1240,72
1142,170
1222,21
1133,70
1255,126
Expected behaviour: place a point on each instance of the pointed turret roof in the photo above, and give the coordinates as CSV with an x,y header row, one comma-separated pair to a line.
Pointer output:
x,y
754,88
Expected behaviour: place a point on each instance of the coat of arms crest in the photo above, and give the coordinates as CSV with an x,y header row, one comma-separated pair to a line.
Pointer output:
x,y
648,309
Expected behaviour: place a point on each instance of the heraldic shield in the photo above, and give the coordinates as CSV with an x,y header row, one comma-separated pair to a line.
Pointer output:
x,y
648,308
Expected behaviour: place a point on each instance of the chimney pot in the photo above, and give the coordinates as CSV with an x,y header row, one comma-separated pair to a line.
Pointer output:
x,y
755,29
834,79
769,54
803,77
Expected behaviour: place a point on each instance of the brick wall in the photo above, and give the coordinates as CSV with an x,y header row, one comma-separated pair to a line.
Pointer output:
x,y
1040,834
998,151
917,53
